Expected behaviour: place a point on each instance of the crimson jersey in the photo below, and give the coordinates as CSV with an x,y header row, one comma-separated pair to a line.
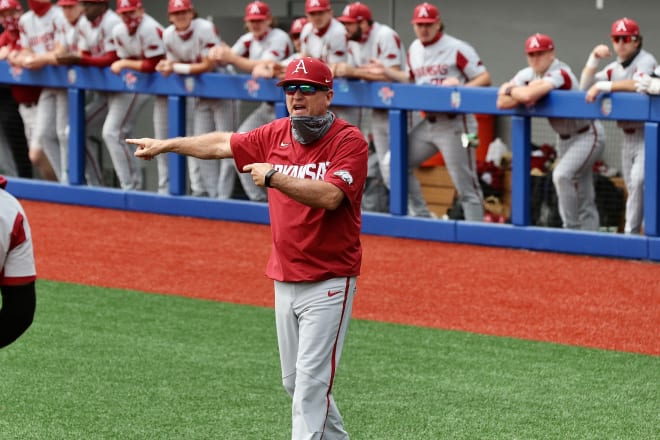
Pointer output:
x,y
16,253
311,244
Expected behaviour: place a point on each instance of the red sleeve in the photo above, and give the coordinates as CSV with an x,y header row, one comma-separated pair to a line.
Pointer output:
x,y
103,61
149,64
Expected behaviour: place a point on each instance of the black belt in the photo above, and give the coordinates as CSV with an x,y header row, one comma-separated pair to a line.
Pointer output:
x,y
629,130
580,131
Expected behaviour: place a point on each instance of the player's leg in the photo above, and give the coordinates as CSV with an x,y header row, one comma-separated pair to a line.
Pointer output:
x,y
123,109
95,114
204,174
420,148
37,156
593,149
11,124
380,129
323,312
45,129
62,130
632,165
461,165
7,163
160,132
578,155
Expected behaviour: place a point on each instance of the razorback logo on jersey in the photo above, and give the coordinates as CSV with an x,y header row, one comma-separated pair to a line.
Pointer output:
x,y
345,176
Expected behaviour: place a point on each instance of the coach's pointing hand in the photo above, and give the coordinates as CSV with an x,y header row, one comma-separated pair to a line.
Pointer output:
x,y
258,171
147,148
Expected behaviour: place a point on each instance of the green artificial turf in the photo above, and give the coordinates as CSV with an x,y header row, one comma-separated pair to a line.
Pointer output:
x,y
112,364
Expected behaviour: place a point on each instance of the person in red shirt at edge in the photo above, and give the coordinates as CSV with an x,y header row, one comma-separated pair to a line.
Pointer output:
x,y
26,97
314,166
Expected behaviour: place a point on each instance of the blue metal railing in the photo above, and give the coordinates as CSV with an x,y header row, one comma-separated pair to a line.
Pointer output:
x,y
399,99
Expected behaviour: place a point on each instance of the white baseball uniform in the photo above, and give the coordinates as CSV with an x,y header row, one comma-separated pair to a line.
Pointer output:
x,y
38,34
431,64
16,252
383,44
96,40
189,46
330,45
632,149
580,144
123,108
274,46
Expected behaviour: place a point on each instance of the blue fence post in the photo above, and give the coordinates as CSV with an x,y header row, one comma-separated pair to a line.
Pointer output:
x,y
651,179
176,121
398,162
76,159
281,110
520,178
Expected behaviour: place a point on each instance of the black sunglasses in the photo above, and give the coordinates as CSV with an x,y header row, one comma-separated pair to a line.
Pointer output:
x,y
305,89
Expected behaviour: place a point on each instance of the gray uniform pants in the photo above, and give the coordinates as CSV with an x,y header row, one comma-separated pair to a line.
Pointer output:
x,y
312,320
574,180
444,135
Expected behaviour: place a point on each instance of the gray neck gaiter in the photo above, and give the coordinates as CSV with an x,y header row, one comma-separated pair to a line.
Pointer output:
x,y
307,129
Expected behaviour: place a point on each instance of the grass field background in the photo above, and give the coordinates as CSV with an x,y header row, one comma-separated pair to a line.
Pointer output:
x,y
119,364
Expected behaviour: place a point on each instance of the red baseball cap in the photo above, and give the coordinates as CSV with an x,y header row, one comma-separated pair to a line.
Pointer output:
x,y
538,43
297,25
355,13
179,6
257,11
67,2
426,13
307,70
128,5
625,26
317,5
6,5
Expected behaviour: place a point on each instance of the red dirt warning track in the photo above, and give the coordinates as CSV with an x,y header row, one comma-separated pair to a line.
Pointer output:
x,y
586,301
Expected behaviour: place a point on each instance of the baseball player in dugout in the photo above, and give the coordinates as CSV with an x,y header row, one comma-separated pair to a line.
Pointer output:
x,y
187,41
324,37
25,97
437,58
580,142
314,166
633,65
261,43
17,269
371,41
